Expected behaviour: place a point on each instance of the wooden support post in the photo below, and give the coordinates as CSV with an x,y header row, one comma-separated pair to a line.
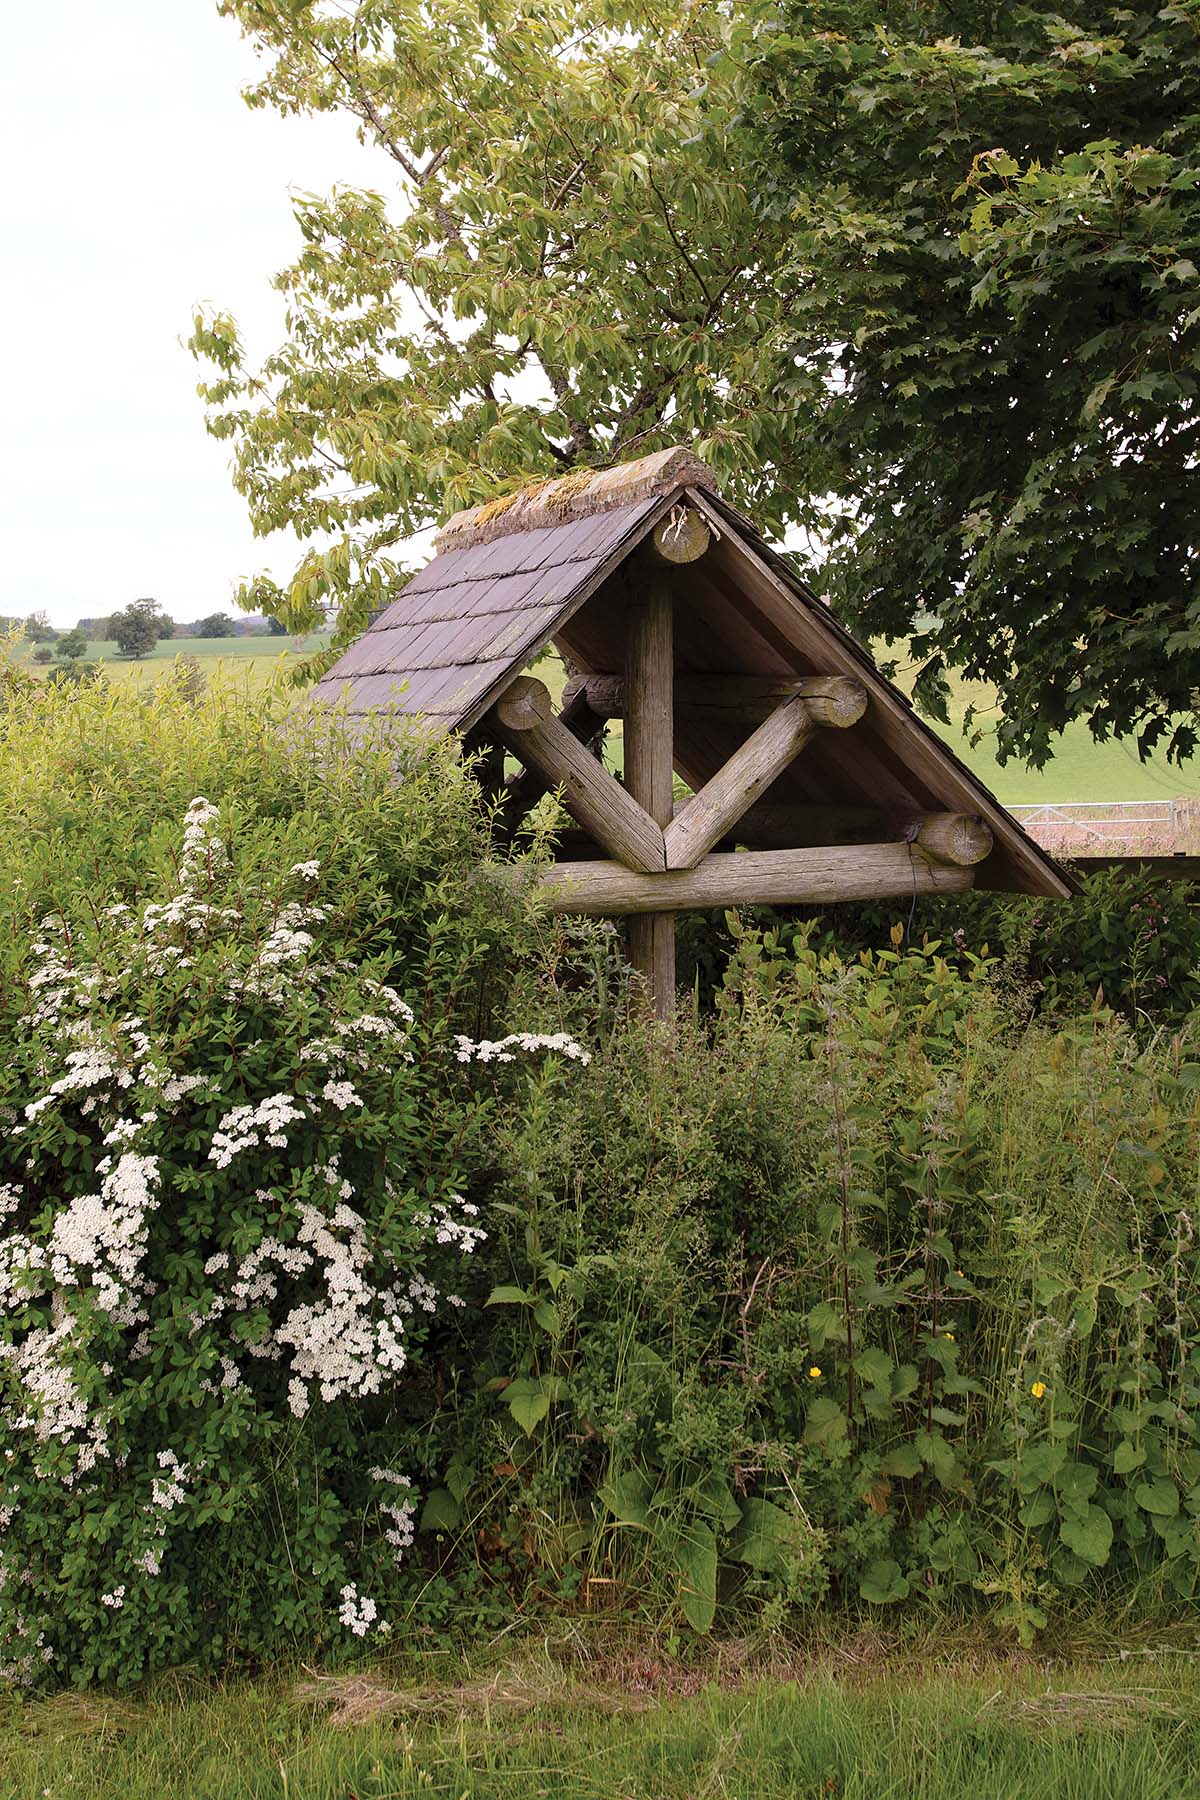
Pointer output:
x,y
751,878
523,717
649,769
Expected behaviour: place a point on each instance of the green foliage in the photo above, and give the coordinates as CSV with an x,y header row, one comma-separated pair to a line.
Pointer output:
x,y
72,646
574,275
216,625
231,1171
138,628
870,1294
994,216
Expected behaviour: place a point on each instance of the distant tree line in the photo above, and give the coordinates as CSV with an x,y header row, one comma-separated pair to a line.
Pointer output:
x,y
135,630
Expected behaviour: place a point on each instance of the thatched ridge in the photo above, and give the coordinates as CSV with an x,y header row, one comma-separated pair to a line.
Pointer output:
x,y
579,495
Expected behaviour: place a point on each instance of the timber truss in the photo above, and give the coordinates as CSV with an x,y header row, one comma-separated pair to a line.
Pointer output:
x,y
661,858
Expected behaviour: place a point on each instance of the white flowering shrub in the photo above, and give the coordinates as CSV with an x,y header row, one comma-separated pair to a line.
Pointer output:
x,y
231,1212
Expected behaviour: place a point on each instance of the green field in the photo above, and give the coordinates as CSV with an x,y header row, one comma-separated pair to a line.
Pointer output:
x,y
259,652
1082,769
644,1728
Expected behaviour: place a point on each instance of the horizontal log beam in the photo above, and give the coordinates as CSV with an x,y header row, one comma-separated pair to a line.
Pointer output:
x,y
836,700
748,773
749,878
957,838
523,718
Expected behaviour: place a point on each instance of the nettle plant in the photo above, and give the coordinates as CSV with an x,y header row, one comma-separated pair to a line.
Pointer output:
x,y
230,1218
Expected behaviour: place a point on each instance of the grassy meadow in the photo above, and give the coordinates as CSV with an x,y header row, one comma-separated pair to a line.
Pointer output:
x,y
1081,770
631,1727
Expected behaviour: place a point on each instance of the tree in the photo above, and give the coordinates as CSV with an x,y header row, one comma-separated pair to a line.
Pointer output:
x,y
43,654
72,646
216,625
995,215
138,628
38,629
576,275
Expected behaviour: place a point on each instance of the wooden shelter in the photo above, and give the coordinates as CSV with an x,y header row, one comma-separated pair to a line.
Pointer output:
x,y
811,777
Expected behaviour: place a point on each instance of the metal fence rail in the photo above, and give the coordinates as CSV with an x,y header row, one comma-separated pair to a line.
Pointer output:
x,y
1101,820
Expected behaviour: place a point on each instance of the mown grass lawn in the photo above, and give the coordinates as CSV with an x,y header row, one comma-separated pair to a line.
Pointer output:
x,y
1111,1730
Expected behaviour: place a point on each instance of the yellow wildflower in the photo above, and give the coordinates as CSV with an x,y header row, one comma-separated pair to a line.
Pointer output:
x,y
814,1374
1038,1389
949,1336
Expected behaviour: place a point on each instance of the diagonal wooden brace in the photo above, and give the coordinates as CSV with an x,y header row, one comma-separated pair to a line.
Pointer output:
x,y
748,773
523,718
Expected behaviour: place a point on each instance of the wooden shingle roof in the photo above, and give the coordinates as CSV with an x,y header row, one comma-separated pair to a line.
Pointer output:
x,y
551,569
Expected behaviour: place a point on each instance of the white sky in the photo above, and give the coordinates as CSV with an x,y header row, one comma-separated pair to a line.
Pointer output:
x,y
138,184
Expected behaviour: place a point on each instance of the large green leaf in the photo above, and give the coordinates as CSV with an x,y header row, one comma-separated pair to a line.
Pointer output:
x,y
696,1559
1089,1533
883,1583
763,1536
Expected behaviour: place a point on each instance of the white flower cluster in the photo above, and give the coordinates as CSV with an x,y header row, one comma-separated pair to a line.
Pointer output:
x,y
295,1274
246,1126
502,1049
399,1508
449,1230
104,1235
358,1614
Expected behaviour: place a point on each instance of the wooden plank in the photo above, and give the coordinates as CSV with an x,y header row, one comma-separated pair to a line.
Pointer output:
x,y
814,877
523,718
649,767
747,774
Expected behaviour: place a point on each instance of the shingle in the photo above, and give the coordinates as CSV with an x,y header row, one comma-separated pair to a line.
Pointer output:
x,y
471,614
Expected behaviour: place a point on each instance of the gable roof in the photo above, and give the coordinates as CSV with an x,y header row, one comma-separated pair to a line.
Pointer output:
x,y
513,578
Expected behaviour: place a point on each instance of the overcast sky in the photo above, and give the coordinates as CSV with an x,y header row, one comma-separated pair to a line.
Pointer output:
x,y
137,183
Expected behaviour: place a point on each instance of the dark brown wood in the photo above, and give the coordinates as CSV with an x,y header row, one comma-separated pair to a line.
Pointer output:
x,y
524,719
649,769
748,773
750,878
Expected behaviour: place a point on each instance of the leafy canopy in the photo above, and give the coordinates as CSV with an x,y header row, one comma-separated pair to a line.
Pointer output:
x,y
921,281
570,271
994,218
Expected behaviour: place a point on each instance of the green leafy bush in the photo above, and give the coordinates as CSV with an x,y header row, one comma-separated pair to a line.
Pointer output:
x,y
231,1184
1125,938
870,1293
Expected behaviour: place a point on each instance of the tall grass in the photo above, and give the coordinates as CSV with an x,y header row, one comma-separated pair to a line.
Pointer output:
x,y
515,1734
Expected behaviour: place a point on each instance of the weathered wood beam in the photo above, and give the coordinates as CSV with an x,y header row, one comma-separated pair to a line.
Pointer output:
x,y
747,774
523,718
770,825
682,537
750,878
650,770
837,700
752,769
524,789
960,838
